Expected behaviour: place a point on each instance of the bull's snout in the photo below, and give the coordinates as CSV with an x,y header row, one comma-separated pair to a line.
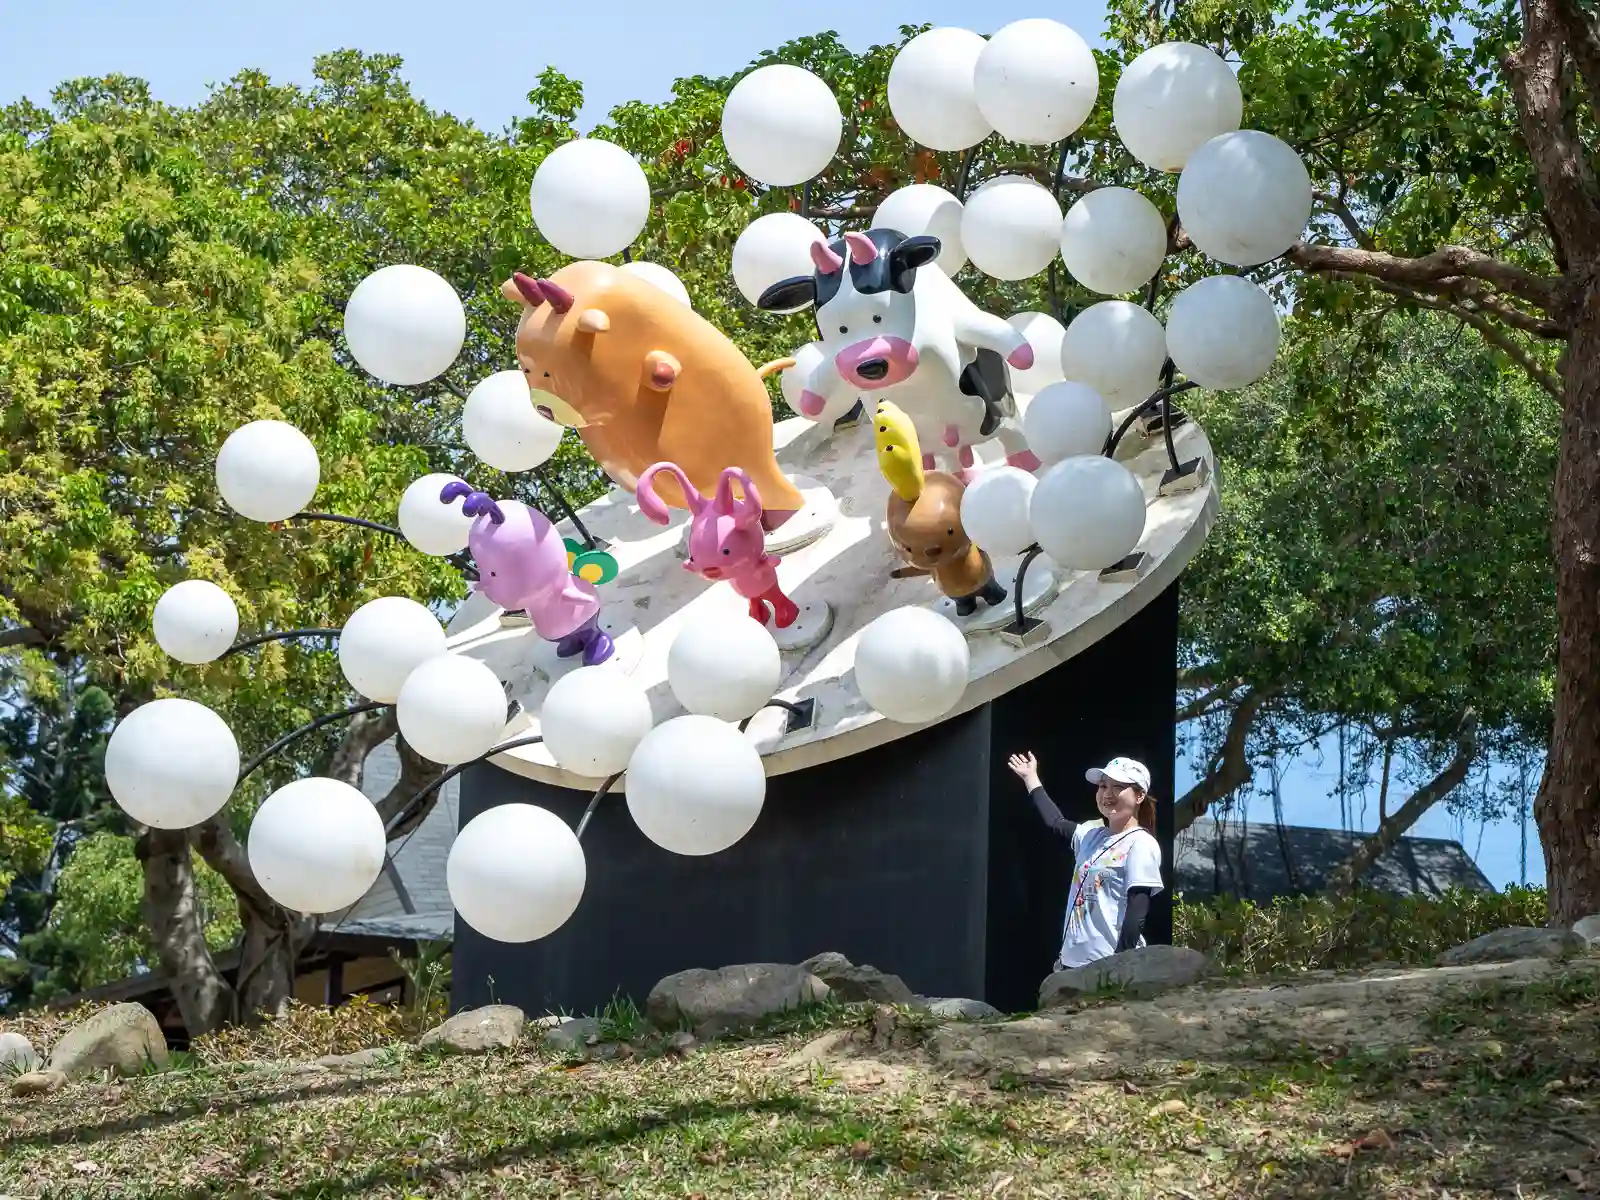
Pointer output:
x,y
873,368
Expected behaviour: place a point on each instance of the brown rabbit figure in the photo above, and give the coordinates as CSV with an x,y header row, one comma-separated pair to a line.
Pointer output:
x,y
925,518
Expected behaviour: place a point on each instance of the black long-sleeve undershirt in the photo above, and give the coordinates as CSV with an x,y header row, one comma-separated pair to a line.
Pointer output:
x,y
1138,900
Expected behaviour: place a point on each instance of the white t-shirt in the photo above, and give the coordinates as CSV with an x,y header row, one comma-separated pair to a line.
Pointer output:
x,y
1107,866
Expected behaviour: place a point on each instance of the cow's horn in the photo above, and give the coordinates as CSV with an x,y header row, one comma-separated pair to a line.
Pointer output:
x,y
560,299
827,261
862,250
528,289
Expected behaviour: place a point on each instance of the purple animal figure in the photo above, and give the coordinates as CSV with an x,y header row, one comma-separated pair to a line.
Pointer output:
x,y
726,540
522,565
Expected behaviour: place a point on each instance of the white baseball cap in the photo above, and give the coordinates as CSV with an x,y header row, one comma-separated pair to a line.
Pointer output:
x,y
1121,770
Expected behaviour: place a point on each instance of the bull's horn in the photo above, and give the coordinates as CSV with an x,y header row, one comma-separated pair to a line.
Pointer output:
x,y
521,289
827,261
560,299
862,249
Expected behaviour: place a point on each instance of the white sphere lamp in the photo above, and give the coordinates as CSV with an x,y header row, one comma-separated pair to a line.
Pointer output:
x,y
723,668
452,709
1065,420
316,845
1244,198
911,665
267,471
781,125
502,427
171,763
926,209
658,276
592,720
383,642
516,873
1036,81
994,510
1088,512
590,198
1011,228
429,524
1044,334
931,90
404,324
195,621
1113,240
771,249
695,785
1173,99
1222,332
1117,348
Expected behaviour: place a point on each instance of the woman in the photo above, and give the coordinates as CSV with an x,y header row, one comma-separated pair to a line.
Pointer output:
x,y
1118,863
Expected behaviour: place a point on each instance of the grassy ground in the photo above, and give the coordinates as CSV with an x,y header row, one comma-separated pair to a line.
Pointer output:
x,y
1503,1101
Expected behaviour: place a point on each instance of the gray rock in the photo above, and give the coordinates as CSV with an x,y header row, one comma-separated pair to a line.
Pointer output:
x,y
714,1002
124,1038
1147,971
957,1009
682,1043
37,1083
571,1034
17,1054
478,1030
858,985
1588,928
372,1056
1517,942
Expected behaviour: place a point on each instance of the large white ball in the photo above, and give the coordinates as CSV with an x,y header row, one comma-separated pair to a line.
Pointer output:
x,y
920,209
593,719
792,382
1244,197
1066,420
658,276
1036,81
1044,334
1011,228
695,785
452,709
171,763
1088,512
383,642
267,471
590,198
503,428
1173,99
1113,240
911,665
404,325
994,510
771,249
781,125
931,90
723,668
431,525
1118,349
316,845
1222,332
195,621
516,873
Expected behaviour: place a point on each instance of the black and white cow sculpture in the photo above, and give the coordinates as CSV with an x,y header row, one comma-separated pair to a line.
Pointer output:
x,y
894,325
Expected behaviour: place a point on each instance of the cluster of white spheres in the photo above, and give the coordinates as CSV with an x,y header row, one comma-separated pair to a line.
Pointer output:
x,y
696,785
429,524
383,641
1171,100
926,210
502,427
771,249
451,709
994,510
195,621
1113,240
1222,332
171,763
267,471
1087,512
722,668
1065,420
1044,334
516,873
911,665
1244,197
931,90
658,276
1011,227
1036,81
593,719
316,845
590,198
781,125
404,324
1118,349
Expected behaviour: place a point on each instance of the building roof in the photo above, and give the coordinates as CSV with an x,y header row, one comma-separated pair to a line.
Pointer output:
x,y
1258,861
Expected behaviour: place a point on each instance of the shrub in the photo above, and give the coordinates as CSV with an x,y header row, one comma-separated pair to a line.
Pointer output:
x,y
1307,933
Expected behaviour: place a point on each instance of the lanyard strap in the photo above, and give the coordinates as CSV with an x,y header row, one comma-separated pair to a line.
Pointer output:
x,y
1083,871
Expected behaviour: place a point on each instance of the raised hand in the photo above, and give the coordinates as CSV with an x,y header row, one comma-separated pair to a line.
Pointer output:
x,y
1026,768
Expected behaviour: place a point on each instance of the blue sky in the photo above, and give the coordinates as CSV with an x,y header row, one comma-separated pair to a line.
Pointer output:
x,y
479,60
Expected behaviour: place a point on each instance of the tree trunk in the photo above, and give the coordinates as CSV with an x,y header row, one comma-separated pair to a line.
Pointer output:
x,y
171,910
1568,805
1231,768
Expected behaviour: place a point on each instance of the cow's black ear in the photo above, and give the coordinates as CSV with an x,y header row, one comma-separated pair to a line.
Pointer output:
x,y
789,295
910,254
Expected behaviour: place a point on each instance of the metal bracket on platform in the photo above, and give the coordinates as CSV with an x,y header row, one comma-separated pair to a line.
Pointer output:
x,y
802,716
1186,477
1150,423
1128,570
1033,632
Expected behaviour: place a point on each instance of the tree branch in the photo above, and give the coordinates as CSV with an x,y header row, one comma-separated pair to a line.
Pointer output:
x,y
23,635
1429,271
1337,206
224,855
1344,878
364,735
1232,770
415,773
1583,44
1200,705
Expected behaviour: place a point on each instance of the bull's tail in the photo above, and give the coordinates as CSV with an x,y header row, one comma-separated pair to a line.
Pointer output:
x,y
772,368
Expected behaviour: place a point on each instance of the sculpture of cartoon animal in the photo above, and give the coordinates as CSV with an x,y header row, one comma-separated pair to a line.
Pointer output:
x,y
925,518
644,378
893,325
523,565
725,538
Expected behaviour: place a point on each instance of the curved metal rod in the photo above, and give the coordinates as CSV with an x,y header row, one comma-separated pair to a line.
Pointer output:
x,y
1022,573
594,803
792,709
283,635
1166,428
1155,399
440,780
294,736
966,171
343,520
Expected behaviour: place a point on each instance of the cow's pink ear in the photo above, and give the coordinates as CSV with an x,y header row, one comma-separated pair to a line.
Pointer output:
x,y
827,261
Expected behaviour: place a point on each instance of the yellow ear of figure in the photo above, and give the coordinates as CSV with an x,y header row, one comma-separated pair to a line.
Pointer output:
x,y
899,455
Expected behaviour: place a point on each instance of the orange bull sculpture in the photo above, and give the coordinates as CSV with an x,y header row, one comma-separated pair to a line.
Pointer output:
x,y
645,379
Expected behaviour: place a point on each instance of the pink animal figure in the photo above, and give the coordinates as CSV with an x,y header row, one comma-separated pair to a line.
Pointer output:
x,y
726,540
522,565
